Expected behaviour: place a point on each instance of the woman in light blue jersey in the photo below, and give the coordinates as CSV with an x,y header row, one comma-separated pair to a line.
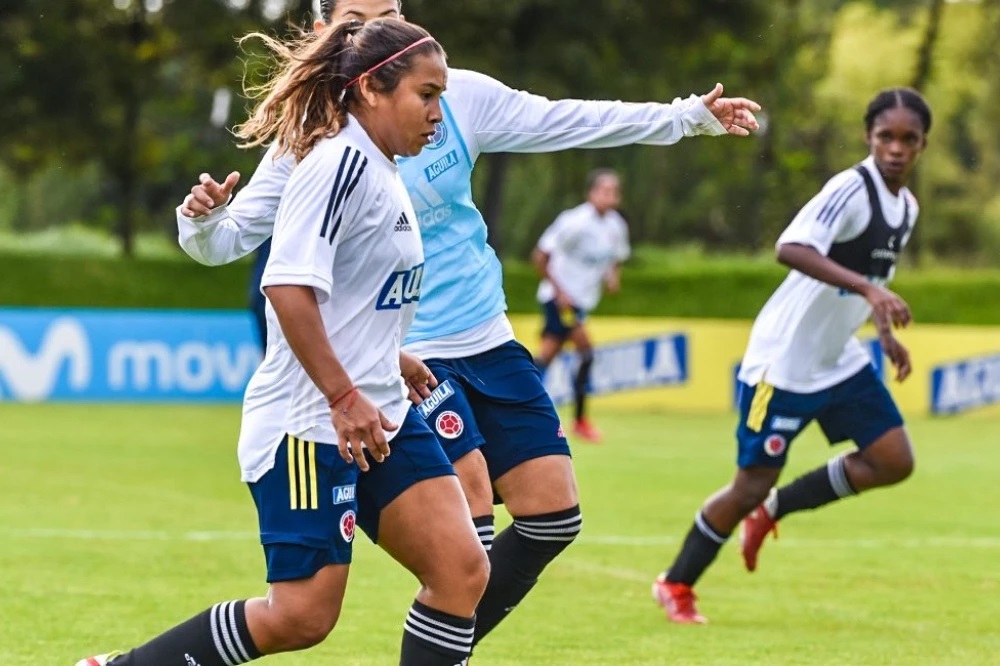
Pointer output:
x,y
489,408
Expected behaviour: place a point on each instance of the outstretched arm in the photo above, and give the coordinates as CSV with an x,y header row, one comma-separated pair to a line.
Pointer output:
x,y
501,119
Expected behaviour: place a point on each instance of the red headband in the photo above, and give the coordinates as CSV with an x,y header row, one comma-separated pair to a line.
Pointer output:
x,y
414,45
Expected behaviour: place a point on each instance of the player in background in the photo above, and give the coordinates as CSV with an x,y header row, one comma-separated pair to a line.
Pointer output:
x,y
490,390
342,282
803,361
581,251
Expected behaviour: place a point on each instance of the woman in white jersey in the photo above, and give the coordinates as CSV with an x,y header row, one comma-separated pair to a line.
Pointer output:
x,y
342,283
490,391
803,361
578,255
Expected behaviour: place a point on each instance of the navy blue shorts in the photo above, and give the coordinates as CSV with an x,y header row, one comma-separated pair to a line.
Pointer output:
x,y
307,509
859,409
494,400
310,502
416,455
560,322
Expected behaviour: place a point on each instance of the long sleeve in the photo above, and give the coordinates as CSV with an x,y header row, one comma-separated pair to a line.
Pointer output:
x,y
236,229
502,119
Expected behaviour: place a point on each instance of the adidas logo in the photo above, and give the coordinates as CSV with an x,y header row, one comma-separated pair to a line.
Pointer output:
x,y
402,224
190,660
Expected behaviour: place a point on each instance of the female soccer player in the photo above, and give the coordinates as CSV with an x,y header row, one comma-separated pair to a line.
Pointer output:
x,y
803,361
580,251
489,388
342,281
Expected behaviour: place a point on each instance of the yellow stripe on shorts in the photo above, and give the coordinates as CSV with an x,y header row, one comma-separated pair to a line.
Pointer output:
x,y
302,480
758,406
292,492
314,504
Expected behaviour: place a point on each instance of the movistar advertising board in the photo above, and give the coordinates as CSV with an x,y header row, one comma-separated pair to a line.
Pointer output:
x,y
125,355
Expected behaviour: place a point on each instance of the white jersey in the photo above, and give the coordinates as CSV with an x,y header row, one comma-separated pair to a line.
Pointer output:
x,y
481,115
346,228
582,246
804,337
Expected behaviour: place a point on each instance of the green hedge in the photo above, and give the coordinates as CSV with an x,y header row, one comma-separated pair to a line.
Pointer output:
x,y
705,288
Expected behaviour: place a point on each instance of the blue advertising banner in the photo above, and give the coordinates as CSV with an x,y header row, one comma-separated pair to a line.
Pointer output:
x,y
964,385
625,365
125,355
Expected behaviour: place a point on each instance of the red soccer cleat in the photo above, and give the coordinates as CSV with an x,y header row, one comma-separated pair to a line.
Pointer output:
x,y
586,430
753,531
677,601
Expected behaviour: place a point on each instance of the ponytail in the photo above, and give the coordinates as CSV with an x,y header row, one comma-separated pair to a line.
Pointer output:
x,y
307,100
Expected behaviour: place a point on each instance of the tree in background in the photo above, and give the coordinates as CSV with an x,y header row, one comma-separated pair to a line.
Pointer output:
x,y
113,106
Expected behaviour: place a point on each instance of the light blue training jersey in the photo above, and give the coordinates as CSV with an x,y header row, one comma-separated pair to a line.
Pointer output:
x,y
463,283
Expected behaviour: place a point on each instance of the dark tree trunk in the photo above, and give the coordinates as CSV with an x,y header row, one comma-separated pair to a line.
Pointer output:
x,y
128,176
921,75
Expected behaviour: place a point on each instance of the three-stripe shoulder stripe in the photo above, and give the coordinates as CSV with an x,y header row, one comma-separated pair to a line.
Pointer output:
x,y
352,166
838,201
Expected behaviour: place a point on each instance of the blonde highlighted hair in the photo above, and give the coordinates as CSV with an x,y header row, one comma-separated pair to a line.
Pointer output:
x,y
306,100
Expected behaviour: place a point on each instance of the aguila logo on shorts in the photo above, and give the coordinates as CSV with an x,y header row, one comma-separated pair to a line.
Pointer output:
x,y
449,425
347,522
343,494
434,400
775,445
788,423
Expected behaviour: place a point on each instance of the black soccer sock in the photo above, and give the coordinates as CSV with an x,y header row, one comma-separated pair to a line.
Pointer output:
x,y
435,638
580,383
701,545
216,637
520,553
485,531
812,490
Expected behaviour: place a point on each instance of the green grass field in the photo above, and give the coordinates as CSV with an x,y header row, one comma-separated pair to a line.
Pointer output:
x,y
117,522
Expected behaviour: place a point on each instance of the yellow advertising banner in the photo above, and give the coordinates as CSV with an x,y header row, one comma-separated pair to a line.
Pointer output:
x,y
690,364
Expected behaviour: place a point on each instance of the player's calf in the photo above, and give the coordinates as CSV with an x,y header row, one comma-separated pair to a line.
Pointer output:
x,y
519,555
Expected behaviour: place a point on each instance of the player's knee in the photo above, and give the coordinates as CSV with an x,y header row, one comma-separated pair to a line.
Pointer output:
x,y
474,478
300,631
461,579
891,463
749,492
479,495
898,468
475,573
